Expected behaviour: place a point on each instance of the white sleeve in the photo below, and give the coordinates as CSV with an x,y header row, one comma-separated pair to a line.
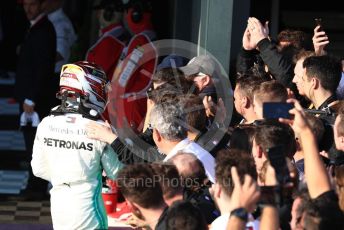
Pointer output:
x,y
110,162
39,162
64,40
65,37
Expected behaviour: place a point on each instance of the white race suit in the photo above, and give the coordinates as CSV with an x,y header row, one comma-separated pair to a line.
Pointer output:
x,y
73,163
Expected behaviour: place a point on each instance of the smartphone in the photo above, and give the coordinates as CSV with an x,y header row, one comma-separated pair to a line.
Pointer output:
x,y
277,110
277,157
318,22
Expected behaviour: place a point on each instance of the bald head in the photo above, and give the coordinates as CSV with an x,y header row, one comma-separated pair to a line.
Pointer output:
x,y
188,166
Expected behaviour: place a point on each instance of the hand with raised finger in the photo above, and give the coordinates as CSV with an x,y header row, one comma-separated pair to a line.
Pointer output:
x,y
299,122
244,195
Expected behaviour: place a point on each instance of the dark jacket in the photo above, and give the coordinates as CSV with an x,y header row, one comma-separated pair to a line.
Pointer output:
x,y
139,149
35,67
279,63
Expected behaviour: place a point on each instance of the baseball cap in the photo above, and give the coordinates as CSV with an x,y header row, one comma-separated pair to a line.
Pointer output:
x,y
116,4
202,64
172,60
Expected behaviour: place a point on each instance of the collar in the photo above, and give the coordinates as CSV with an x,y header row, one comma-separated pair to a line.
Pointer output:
x,y
182,144
326,104
200,134
209,89
243,121
161,221
150,34
111,27
37,19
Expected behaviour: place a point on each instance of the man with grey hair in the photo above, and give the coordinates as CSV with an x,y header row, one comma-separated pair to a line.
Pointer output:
x,y
170,135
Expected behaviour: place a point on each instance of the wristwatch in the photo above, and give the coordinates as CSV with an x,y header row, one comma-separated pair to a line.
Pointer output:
x,y
240,213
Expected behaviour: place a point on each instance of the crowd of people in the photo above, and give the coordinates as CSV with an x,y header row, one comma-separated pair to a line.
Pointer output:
x,y
157,127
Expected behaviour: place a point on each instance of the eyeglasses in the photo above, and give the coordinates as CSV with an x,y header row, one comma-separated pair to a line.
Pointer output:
x,y
149,92
244,126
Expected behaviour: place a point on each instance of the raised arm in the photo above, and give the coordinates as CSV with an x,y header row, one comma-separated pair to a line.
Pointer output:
x,y
316,175
248,55
279,65
244,197
320,41
269,218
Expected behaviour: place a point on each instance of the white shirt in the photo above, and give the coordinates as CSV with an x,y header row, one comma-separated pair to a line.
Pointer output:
x,y
205,157
65,36
340,89
34,21
221,223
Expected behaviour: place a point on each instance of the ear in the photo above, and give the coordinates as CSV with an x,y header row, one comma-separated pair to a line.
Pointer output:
x,y
156,135
206,80
245,102
315,83
217,190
